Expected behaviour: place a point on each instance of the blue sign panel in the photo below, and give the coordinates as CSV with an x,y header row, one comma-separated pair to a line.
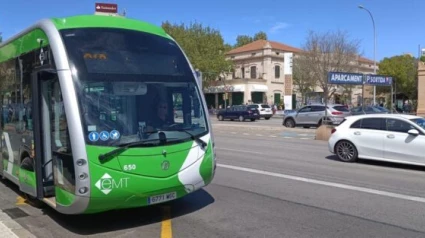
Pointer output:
x,y
345,78
380,80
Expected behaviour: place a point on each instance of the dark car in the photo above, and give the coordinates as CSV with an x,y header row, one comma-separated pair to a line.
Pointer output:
x,y
239,112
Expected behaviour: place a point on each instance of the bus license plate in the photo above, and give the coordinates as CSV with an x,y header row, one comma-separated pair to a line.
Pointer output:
x,y
162,198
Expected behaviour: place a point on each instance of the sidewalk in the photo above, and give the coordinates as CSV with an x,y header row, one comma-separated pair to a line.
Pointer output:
x,y
11,229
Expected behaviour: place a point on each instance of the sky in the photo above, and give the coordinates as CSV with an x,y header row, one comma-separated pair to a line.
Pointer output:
x,y
399,25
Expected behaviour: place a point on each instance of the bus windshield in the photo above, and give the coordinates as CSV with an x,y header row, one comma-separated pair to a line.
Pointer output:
x,y
131,85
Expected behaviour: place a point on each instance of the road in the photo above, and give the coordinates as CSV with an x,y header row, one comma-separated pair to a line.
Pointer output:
x,y
264,187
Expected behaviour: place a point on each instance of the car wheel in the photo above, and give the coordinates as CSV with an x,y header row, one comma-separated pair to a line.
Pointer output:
x,y
290,123
220,118
241,118
267,118
346,151
252,119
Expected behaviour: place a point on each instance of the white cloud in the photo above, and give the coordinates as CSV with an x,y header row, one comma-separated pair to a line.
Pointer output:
x,y
278,26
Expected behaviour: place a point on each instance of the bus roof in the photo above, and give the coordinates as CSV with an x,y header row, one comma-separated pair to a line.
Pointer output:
x,y
86,21
27,40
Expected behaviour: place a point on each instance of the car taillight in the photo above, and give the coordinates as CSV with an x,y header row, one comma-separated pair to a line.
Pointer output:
x,y
336,113
333,130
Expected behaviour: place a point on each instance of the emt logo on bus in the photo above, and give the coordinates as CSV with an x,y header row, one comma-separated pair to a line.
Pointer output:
x,y
107,183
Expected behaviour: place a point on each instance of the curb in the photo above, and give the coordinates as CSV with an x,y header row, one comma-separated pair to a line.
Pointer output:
x,y
10,228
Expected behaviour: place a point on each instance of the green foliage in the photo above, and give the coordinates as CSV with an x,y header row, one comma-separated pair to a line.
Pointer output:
x,y
422,58
1,38
261,35
245,39
403,69
204,46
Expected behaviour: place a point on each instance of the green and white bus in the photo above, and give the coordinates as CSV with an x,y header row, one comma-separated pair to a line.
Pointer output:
x,y
87,115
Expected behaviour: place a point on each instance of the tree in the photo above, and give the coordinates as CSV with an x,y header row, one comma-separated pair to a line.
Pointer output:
x,y
303,77
1,38
403,69
246,39
243,40
261,35
326,52
204,46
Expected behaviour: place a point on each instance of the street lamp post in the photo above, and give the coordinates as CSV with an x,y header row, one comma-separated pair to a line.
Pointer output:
x,y
374,51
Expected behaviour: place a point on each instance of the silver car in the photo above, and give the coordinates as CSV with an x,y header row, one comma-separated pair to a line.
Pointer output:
x,y
315,115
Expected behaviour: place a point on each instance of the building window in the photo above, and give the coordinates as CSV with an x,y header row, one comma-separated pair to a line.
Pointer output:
x,y
253,72
277,71
233,74
243,72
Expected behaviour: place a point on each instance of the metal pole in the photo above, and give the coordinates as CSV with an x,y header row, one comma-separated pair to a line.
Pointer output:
x,y
392,103
363,95
374,51
395,92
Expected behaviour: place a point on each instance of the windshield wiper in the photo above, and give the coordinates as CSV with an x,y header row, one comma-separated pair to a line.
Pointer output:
x,y
121,148
193,137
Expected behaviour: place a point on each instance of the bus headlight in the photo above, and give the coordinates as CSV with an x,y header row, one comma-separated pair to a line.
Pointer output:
x,y
83,190
81,162
82,176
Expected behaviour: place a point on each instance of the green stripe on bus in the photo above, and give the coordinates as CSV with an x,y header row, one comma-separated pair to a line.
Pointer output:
x,y
22,45
207,165
27,177
63,197
112,188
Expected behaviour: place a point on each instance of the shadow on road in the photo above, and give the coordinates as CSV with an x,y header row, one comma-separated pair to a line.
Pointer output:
x,y
382,164
121,219
129,218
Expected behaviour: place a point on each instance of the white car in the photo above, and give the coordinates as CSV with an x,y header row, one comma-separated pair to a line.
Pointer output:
x,y
265,110
386,137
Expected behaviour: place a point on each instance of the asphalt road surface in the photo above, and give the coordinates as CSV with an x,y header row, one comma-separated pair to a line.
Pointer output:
x,y
264,187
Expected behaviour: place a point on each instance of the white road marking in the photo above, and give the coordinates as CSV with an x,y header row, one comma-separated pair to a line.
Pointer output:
x,y
246,134
330,184
258,135
242,151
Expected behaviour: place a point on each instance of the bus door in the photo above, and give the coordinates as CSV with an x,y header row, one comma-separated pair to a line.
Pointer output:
x,y
53,157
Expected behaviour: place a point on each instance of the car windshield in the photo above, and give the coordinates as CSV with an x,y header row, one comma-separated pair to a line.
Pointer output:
x,y
341,108
420,122
131,85
383,109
